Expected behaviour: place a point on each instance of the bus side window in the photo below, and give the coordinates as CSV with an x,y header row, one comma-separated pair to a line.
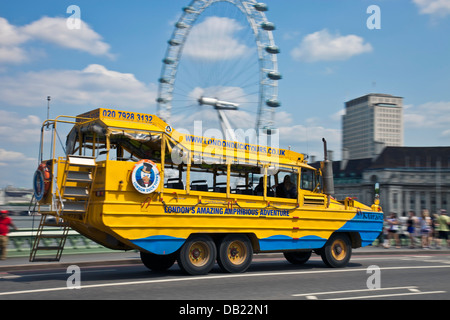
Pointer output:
x,y
308,180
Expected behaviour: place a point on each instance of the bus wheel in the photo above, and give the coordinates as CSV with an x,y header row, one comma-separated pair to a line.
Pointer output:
x,y
297,258
337,251
198,255
235,253
157,262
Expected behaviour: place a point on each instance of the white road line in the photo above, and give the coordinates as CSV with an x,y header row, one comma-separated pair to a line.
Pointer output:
x,y
16,276
351,291
205,278
389,295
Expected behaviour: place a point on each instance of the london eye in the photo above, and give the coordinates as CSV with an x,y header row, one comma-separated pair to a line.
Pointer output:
x,y
221,68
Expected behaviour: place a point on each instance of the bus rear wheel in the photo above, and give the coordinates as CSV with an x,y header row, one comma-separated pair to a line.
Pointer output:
x,y
337,251
235,253
198,255
157,262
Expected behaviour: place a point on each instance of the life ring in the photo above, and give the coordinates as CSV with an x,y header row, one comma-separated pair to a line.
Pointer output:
x,y
41,181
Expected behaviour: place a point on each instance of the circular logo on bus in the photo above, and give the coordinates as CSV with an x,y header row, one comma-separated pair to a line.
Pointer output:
x,y
145,177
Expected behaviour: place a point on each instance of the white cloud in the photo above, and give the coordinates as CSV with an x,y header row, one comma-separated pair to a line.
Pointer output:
x,y
10,40
10,122
48,30
428,115
213,39
13,158
93,86
55,30
433,7
323,46
307,138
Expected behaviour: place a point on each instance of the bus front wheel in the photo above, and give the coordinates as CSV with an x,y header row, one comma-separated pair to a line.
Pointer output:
x,y
198,255
337,251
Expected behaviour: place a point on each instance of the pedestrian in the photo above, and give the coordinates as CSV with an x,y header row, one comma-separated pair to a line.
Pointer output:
x,y
411,224
5,223
443,222
426,229
393,226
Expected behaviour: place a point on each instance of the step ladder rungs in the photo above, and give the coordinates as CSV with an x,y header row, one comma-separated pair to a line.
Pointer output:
x,y
55,224
52,236
81,161
76,192
79,176
42,259
74,206
49,248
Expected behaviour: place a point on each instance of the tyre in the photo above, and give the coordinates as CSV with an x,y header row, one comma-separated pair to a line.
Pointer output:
x,y
157,262
297,258
235,253
337,251
198,255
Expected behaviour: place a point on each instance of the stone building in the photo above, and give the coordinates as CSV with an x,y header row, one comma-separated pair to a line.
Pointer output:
x,y
410,178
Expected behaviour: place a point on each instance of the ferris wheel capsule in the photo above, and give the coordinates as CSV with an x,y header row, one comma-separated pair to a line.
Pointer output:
x,y
174,42
273,75
189,9
261,7
268,26
273,103
181,25
272,49
169,61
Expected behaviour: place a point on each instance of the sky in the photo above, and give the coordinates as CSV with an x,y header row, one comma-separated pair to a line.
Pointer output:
x,y
331,52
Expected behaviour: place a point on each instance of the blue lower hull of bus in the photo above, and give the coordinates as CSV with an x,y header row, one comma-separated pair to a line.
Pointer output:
x,y
368,229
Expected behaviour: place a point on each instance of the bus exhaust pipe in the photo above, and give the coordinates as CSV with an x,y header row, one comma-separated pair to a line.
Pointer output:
x,y
326,167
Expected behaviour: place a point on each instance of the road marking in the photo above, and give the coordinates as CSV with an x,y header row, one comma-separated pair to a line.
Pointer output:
x,y
350,291
210,277
15,276
390,295
412,291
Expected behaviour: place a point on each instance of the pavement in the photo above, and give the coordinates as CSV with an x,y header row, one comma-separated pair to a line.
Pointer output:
x,y
132,257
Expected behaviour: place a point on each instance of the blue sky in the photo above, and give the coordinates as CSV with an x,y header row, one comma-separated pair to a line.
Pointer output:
x,y
328,56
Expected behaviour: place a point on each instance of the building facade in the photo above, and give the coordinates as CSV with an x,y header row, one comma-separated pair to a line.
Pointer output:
x,y
370,123
410,178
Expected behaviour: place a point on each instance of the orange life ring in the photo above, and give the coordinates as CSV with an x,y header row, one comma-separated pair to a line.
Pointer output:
x,y
43,167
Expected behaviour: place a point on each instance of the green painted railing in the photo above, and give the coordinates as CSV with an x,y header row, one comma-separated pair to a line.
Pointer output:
x,y
20,243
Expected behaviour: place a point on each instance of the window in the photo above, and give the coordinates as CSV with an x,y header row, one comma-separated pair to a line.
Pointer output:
x,y
309,180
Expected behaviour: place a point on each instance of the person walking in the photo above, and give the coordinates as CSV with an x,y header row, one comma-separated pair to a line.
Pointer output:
x,y
443,222
426,229
393,226
5,223
411,228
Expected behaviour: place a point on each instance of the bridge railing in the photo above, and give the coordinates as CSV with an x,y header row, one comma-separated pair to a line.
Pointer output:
x,y
20,243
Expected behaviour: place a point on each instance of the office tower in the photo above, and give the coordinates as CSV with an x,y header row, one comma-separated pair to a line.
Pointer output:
x,y
371,123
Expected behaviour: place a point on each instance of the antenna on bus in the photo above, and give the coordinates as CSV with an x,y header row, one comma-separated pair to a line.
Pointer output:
x,y
48,106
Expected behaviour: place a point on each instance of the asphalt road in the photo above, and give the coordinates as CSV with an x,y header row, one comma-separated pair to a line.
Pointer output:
x,y
390,277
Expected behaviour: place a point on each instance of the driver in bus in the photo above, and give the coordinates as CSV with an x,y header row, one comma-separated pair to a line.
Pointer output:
x,y
287,189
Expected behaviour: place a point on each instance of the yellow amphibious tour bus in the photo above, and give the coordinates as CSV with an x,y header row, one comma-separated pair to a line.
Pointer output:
x,y
129,181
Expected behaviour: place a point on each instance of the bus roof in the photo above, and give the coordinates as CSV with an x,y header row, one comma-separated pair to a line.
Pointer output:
x,y
219,147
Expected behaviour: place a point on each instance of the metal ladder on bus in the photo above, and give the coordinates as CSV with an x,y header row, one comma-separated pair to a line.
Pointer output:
x,y
71,203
